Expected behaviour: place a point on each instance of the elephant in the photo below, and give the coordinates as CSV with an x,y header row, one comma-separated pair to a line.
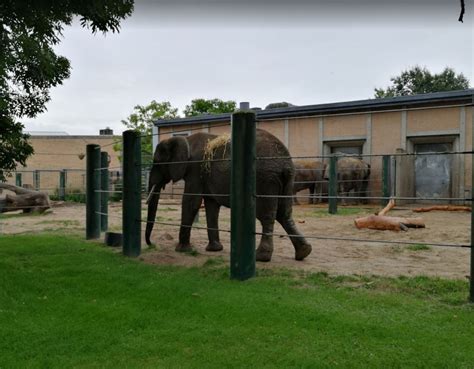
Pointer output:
x,y
309,175
185,158
352,174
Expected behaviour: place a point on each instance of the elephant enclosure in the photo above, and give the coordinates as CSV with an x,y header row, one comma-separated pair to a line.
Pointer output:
x,y
334,257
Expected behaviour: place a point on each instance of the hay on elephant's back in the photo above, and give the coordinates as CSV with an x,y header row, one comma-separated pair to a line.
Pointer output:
x,y
212,146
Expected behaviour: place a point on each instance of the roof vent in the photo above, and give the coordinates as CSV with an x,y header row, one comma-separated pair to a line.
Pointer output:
x,y
106,132
245,105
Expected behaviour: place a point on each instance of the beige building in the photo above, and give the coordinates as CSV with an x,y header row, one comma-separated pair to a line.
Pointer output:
x,y
58,151
436,122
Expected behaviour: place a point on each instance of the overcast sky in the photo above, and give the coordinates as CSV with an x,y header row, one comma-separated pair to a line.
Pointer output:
x,y
249,51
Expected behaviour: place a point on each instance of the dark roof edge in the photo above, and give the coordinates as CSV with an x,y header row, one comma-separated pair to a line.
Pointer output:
x,y
340,107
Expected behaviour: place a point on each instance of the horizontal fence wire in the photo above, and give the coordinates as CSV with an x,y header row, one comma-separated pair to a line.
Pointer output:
x,y
119,141
57,153
200,128
411,242
340,155
373,197
185,162
343,181
188,194
46,170
185,226
109,215
109,168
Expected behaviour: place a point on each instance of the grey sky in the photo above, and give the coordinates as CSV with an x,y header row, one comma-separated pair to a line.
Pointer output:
x,y
253,51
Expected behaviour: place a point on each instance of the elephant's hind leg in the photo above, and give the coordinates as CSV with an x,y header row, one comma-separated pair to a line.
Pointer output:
x,y
266,213
284,217
212,218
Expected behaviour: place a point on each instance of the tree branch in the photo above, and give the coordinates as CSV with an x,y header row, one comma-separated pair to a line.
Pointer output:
x,y
462,12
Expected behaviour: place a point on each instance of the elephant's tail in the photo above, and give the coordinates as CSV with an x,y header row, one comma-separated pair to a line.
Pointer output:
x,y
287,178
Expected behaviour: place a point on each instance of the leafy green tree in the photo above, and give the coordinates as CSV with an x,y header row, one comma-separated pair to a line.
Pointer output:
x,y
212,106
29,67
419,80
141,120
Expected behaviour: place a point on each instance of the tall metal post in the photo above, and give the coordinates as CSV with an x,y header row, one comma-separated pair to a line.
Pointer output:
x,y
385,179
62,185
242,198
18,180
104,194
131,192
92,191
36,180
332,185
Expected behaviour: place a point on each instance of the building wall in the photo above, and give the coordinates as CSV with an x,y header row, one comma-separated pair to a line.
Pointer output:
x,y
345,125
427,120
382,133
307,128
55,153
469,122
386,139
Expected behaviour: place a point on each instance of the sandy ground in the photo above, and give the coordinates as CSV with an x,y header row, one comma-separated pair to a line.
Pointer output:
x,y
334,257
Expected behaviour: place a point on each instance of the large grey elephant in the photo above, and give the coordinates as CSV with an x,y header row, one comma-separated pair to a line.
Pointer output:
x,y
352,175
309,175
212,179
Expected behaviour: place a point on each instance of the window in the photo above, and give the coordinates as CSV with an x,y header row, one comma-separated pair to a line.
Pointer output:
x,y
180,134
348,147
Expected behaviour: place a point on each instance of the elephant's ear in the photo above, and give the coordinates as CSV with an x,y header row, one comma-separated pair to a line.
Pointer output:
x,y
179,153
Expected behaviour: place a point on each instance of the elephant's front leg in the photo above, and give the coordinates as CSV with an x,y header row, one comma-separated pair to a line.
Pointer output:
x,y
190,207
212,218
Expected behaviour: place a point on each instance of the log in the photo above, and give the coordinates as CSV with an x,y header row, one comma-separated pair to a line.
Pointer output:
x,y
24,199
443,208
381,222
385,210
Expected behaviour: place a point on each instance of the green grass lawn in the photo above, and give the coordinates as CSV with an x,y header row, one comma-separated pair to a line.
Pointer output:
x,y
66,303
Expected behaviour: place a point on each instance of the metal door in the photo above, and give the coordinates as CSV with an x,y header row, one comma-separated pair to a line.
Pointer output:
x,y
433,172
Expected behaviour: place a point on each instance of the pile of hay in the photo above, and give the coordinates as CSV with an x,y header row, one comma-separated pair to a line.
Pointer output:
x,y
211,147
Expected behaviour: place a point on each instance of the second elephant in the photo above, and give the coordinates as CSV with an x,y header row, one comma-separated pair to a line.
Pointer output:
x,y
309,175
352,175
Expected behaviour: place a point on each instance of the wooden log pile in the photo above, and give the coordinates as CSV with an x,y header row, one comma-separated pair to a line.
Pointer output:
x,y
27,200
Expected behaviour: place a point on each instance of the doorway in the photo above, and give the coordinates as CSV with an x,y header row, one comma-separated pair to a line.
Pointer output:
x,y
433,173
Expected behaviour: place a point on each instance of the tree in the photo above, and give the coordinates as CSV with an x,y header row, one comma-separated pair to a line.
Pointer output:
x,y
29,67
419,80
212,106
141,120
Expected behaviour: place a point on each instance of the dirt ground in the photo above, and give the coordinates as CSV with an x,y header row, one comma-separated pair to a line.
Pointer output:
x,y
334,257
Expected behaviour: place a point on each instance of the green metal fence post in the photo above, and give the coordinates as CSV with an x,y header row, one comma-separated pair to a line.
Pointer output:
x,y
243,183
104,194
18,180
385,179
62,185
92,192
36,180
332,185
131,192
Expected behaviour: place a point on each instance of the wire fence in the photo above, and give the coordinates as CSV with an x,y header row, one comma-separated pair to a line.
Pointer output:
x,y
389,176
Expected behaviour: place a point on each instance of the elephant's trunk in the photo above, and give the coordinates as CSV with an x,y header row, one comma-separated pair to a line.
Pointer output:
x,y
152,202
